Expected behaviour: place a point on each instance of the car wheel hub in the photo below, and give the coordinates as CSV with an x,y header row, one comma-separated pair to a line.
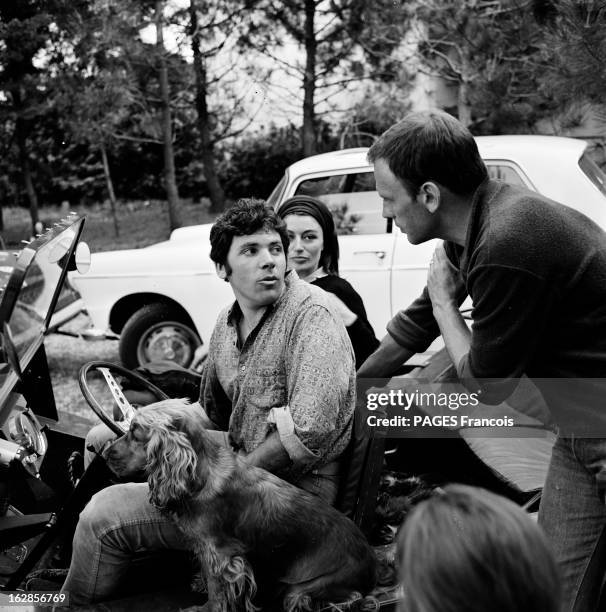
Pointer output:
x,y
170,341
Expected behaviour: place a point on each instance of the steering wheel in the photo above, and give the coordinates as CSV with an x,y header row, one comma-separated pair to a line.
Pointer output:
x,y
119,427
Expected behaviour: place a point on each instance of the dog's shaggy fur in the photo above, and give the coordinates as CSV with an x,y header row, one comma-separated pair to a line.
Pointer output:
x,y
260,540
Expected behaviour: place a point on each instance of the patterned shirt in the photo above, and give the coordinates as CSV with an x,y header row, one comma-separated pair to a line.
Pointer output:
x,y
294,374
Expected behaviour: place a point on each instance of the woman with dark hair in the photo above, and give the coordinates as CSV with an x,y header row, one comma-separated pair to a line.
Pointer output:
x,y
468,550
313,253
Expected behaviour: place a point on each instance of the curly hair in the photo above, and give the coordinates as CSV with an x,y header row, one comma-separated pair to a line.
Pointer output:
x,y
431,146
247,216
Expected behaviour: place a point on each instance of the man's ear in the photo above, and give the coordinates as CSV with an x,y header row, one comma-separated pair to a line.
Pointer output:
x,y
430,196
221,271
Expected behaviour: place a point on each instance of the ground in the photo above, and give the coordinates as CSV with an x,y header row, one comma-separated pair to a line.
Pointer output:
x,y
65,357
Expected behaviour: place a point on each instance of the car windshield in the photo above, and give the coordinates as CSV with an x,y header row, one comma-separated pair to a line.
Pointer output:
x,y
593,172
31,295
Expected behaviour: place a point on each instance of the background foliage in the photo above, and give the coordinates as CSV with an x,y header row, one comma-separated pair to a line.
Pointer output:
x,y
82,101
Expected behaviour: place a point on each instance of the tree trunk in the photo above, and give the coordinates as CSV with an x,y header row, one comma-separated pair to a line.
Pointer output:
x,y
110,187
20,133
217,196
172,193
463,103
309,82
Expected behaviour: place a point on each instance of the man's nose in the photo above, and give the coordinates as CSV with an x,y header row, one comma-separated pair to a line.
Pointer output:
x,y
267,259
387,211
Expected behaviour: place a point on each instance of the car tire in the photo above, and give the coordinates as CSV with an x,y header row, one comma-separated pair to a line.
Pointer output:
x,y
157,332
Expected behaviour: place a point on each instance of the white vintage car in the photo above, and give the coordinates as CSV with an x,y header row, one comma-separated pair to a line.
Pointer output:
x,y
163,300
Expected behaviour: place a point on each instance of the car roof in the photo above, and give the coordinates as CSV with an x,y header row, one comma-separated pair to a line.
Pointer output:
x,y
519,147
524,147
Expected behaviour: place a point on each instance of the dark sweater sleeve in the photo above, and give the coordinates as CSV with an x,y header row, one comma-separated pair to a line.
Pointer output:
x,y
415,328
509,315
360,332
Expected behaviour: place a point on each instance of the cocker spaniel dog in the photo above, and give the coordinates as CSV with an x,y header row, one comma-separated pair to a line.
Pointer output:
x,y
260,540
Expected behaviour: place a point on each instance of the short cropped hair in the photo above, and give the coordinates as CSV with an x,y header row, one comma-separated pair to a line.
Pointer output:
x,y
469,550
247,216
431,146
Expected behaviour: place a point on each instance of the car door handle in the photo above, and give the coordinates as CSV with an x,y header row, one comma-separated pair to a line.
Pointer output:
x,y
379,254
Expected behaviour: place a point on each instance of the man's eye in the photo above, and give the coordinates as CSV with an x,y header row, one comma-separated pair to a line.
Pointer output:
x,y
277,249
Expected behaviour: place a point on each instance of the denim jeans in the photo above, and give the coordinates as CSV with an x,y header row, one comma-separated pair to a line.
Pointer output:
x,y
573,515
119,525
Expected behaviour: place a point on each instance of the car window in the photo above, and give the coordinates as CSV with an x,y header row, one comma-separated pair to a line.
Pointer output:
x,y
593,172
353,200
507,173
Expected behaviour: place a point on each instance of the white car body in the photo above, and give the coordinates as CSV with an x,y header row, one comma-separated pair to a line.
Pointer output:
x,y
382,265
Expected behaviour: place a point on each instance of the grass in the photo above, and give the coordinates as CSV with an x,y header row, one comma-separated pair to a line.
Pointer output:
x,y
140,224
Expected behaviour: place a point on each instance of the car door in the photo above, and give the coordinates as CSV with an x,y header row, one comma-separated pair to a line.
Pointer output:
x,y
366,239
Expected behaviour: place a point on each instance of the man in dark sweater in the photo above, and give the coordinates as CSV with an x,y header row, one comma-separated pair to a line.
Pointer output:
x,y
536,272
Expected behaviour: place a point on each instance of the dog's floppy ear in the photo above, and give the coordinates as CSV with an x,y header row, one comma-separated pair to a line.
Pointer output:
x,y
173,468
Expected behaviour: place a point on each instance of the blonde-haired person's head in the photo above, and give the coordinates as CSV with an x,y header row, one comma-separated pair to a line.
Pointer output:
x,y
468,550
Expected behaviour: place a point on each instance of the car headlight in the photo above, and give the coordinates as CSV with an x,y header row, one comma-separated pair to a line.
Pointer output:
x,y
27,442
26,431
9,451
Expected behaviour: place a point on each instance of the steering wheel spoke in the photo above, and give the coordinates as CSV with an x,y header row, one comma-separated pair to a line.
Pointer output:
x,y
119,423
124,406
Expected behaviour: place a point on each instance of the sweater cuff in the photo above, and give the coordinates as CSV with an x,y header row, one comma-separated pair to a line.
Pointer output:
x,y
402,330
297,451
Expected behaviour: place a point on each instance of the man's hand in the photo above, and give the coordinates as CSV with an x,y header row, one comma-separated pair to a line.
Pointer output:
x,y
269,455
443,285
443,280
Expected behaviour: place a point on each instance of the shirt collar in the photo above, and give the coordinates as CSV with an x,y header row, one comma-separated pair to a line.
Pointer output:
x,y
319,273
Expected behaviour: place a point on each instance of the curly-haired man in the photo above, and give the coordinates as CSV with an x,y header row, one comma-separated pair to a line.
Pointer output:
x,y
278,386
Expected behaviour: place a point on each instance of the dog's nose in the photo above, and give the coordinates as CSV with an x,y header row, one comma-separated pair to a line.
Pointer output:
x,y
106,451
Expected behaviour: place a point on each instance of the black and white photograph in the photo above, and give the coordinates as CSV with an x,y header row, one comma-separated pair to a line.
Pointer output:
x,y
303,305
